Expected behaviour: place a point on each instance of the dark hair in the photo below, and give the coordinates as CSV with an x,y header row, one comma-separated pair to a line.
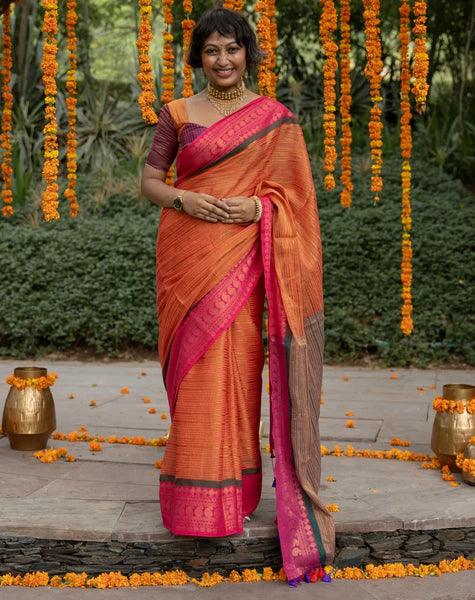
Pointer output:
x,y
224,22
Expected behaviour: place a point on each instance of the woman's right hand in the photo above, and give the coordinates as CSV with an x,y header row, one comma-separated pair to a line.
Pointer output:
x,y
204,207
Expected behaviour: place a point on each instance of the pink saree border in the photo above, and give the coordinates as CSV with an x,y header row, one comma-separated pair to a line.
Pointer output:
x,y
210,318
227,134
299,548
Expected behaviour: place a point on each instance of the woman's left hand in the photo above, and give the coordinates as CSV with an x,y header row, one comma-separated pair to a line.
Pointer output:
x,y
241,209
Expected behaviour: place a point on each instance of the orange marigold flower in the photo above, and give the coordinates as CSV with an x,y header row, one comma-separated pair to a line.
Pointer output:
x,y
345,378
350,424
146,400
124,390
333,508
152,410
164,416
95,446
92,403
350,413
158,464
393,376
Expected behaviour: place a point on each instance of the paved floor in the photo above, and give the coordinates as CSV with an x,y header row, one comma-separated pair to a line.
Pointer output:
x,y
113,494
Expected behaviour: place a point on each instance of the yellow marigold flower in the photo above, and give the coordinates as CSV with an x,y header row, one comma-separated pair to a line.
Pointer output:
x,y
333,508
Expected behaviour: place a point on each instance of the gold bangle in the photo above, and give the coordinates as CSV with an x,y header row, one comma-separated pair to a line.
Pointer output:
x,y
258,213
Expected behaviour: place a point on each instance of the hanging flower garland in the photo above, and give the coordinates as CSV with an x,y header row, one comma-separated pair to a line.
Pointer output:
x,y
373,70
345,103
187,25
405,137
50,69
71,102
236,5
147,96
420,87
328,25
168,68
267,35
7,63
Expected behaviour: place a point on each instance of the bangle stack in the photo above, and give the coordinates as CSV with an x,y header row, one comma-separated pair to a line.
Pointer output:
x,y
258,213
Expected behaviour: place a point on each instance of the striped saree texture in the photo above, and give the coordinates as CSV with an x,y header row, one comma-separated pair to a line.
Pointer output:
x,y
211,280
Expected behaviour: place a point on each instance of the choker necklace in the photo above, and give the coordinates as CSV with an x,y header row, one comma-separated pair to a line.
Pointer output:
x,y
226,102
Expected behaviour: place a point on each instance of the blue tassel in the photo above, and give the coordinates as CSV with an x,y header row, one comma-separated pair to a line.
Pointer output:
x,y
327,578
307,577
273,483
277,537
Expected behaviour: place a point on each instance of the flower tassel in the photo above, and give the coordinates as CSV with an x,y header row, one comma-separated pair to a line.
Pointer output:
x,y
6,143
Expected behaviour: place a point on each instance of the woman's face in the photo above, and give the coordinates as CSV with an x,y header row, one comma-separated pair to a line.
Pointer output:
x,y
224,61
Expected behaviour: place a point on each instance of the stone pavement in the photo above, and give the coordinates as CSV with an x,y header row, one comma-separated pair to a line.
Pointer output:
x,y
111,496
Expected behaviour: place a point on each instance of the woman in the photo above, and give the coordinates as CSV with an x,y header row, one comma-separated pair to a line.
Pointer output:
x,y
240,223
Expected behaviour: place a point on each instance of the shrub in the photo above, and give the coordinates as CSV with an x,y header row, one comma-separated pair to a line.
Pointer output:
x,y
89,283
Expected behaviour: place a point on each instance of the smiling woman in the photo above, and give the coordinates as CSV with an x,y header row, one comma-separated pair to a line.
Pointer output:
x,y
240,223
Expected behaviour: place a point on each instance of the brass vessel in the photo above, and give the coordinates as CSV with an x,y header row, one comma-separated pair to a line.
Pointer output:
x,y
29,415
469,452
452,431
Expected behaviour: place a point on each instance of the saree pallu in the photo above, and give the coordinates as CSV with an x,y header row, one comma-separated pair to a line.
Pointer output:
x,y
210,295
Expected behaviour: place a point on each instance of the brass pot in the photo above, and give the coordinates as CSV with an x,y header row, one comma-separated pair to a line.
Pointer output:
x,y
452,431
469,452
29,415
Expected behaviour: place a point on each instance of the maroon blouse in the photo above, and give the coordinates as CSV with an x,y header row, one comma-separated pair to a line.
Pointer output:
x,y
165,142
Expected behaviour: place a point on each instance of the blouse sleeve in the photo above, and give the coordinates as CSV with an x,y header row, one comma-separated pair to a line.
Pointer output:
x,y
165,142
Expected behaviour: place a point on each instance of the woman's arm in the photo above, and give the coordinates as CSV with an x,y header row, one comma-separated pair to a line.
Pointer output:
x,y
197,205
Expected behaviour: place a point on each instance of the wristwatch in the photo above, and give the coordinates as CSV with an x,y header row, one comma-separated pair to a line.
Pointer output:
x,y
178,202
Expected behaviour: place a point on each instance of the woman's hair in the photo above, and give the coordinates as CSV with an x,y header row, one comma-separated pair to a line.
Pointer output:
x,y
229,23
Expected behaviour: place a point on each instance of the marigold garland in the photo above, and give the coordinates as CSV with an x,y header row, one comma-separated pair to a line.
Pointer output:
x,y
467,465
6,143
178,577
267,36
236,5
328,25
147,96
168,67
440,404
405,137
38,383
49,66
373,71
420,67
187,25
345,102
71,102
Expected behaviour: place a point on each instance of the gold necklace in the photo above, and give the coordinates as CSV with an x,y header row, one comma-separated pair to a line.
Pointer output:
x,y
223,101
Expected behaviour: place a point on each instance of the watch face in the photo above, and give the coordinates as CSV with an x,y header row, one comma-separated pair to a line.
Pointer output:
x,y
178,203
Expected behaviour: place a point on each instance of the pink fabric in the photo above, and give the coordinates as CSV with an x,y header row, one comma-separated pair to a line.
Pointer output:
x,y
292,517
209,318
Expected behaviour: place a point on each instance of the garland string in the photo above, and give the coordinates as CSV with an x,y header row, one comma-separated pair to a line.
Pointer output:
x,y
345,102
168,68
147,96
421,59
373,71
328,25
71,102
187,25
6,136
49,66
405,138
267,36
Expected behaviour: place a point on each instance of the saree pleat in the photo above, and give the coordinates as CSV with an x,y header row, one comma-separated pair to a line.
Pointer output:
x,y
211,474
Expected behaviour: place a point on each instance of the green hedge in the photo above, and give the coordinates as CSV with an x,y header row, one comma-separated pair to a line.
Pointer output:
x,y
89,283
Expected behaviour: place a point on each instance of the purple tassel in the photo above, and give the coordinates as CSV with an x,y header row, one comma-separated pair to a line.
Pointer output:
x,y
294,582
327,578
273,483
307,577
277,537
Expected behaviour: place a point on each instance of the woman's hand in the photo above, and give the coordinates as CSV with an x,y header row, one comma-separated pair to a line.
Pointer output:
x,y
205,207
241,209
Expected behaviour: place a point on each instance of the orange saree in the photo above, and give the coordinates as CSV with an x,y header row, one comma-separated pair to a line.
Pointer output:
x,y
211,279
